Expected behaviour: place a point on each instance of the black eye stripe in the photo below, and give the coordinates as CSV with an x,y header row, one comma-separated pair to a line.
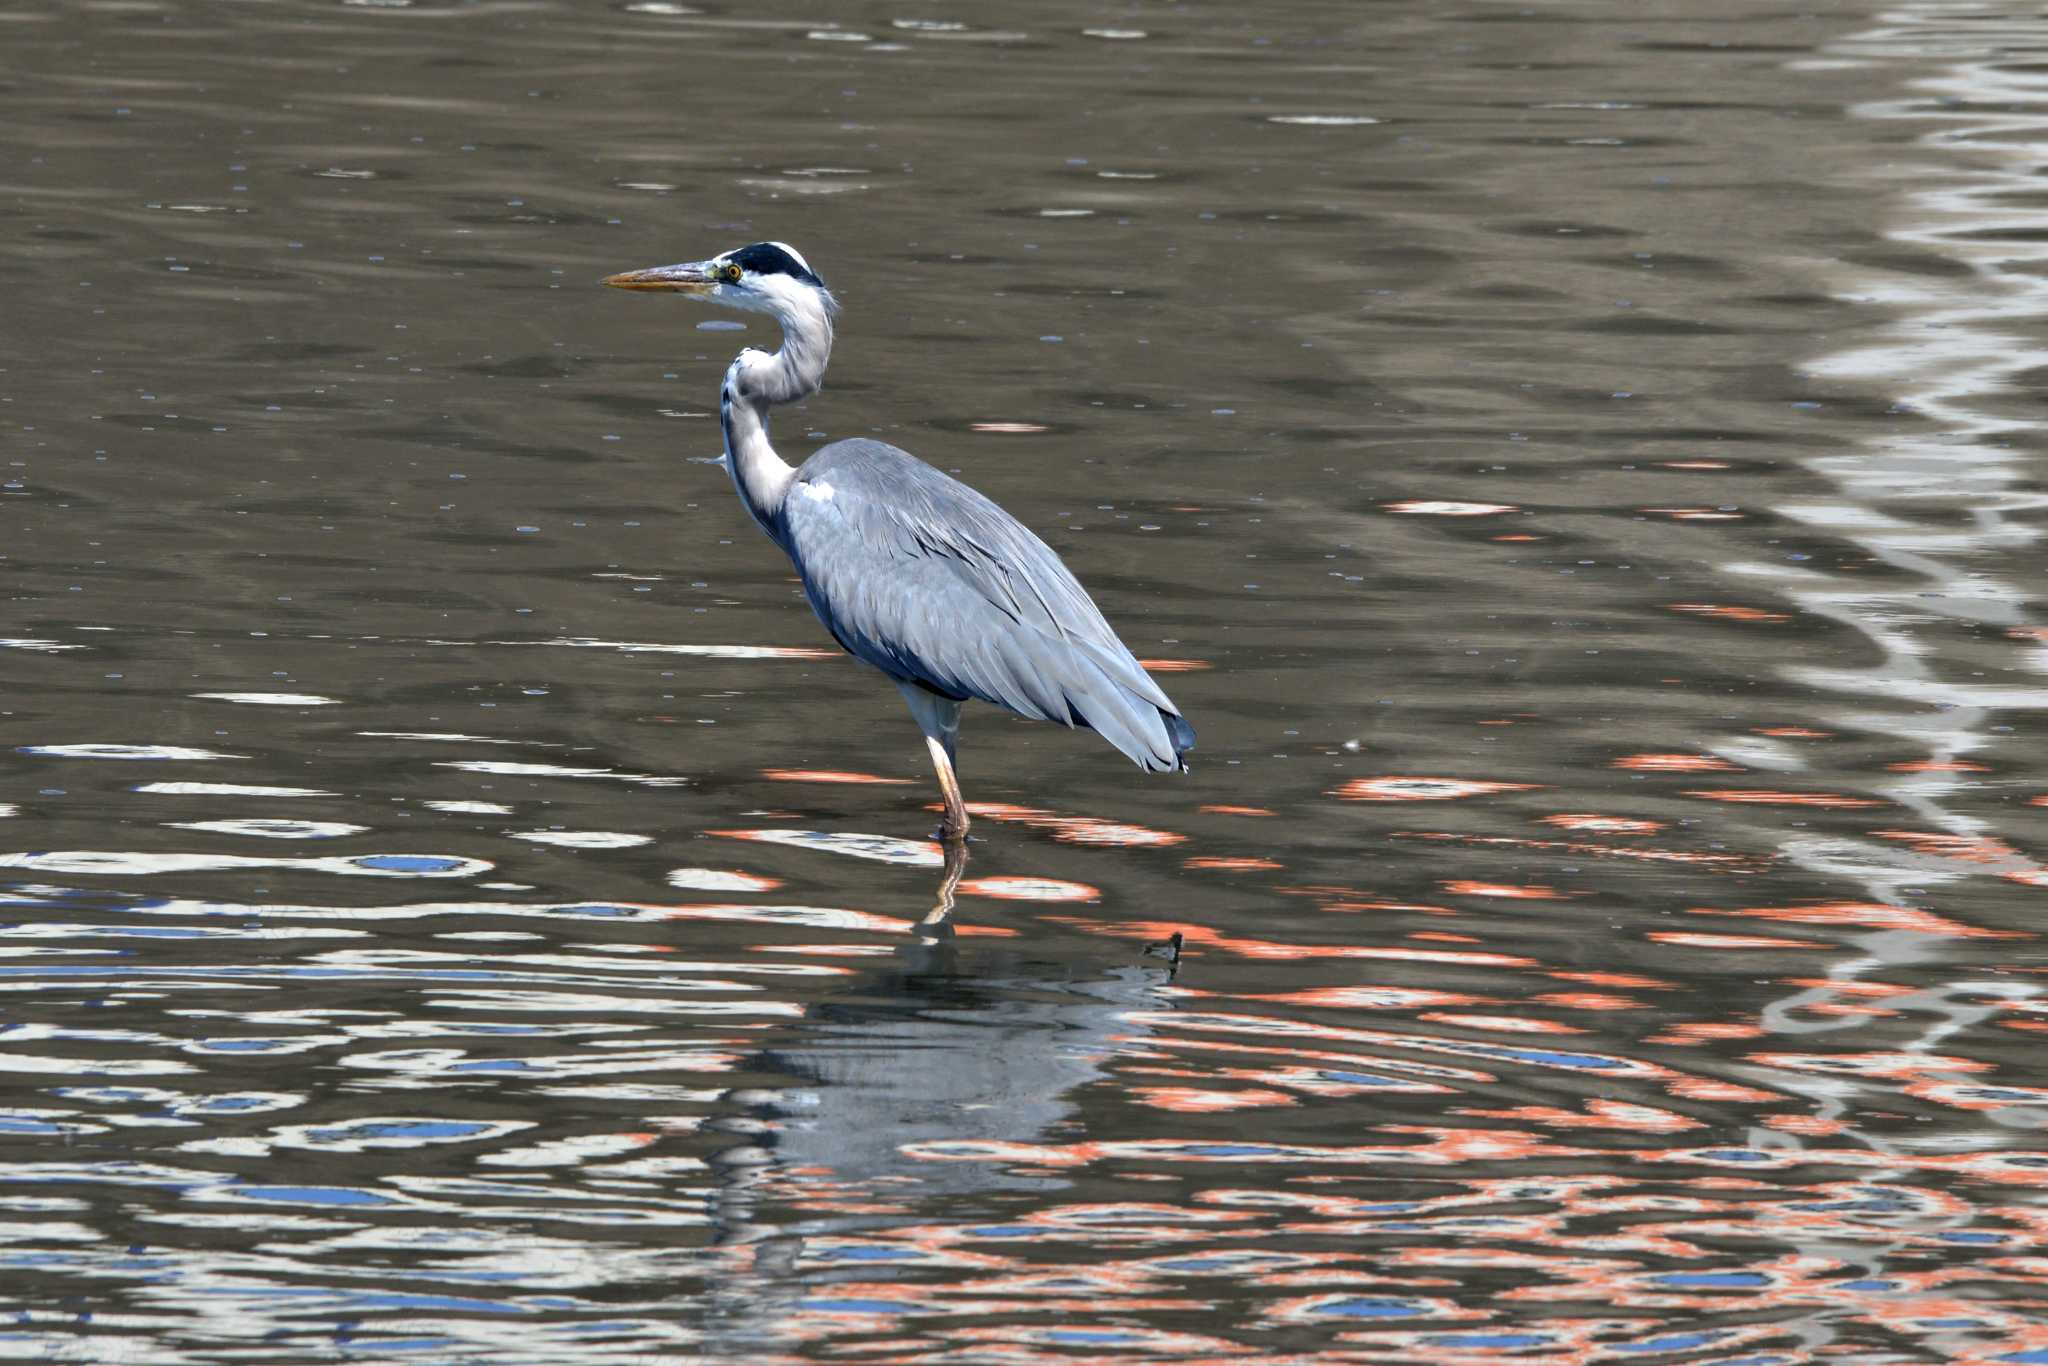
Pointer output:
x,y
765,258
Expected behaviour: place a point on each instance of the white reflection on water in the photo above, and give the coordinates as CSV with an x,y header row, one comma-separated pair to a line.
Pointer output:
x,y
583,839
1940,504
114,863
264,828
112,751
877,848
228,790
654,647
558,771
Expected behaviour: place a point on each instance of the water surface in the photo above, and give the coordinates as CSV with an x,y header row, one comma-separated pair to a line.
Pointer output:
x,y
1573,465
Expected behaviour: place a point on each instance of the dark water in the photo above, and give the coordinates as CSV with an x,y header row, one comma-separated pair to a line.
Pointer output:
x,y
1576,465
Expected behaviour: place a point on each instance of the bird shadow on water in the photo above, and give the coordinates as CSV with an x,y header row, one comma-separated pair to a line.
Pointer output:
x,y
893,1094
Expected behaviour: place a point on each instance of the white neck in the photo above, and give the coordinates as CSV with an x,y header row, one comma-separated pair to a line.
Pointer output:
x,y
757,381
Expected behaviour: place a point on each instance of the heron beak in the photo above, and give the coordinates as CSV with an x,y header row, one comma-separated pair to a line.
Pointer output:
x,y
691,277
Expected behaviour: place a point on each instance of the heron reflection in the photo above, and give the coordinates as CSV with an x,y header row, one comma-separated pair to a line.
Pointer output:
x,y
948,1044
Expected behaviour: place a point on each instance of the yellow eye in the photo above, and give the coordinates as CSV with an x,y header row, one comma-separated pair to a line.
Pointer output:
x,y
730,273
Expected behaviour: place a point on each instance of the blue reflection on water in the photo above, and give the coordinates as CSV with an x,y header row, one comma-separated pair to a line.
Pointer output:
x,y
308,1195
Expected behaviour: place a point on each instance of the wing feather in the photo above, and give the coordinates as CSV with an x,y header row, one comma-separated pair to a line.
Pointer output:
x,y
927,580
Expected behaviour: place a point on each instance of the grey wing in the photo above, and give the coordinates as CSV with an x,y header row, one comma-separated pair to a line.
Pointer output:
x,y
927,580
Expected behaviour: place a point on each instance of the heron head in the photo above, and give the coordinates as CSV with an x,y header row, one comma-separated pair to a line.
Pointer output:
x,y
766,277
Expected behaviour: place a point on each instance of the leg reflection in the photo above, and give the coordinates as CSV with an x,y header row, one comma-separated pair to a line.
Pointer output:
x,y
937,923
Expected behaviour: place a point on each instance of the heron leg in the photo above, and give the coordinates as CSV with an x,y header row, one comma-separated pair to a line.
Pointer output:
x,y
939,718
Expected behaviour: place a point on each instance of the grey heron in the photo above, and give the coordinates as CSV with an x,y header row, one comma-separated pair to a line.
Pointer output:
x,y
912,571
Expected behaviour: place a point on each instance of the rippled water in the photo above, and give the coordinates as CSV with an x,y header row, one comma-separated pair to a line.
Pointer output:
x,y
1574,465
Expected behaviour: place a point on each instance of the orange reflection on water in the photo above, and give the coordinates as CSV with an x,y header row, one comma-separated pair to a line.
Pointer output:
x,y
1230,865
1719,863
1352,899
1598,1114
1423,507
1729,941
1729,613
1402,789
1693,514
1872,915
1602,825
1687,1033
1502,1024
1589,1000
828,775
1234,810
1189,1100
1966,848
1462,887
1712,1088
1173,666
1760,797
1075,829
1616,979
1675,763
1937,766
1028,889
1793,733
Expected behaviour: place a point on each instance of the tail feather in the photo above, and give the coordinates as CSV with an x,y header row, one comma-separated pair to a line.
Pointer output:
x,y
1182,734
1150,736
